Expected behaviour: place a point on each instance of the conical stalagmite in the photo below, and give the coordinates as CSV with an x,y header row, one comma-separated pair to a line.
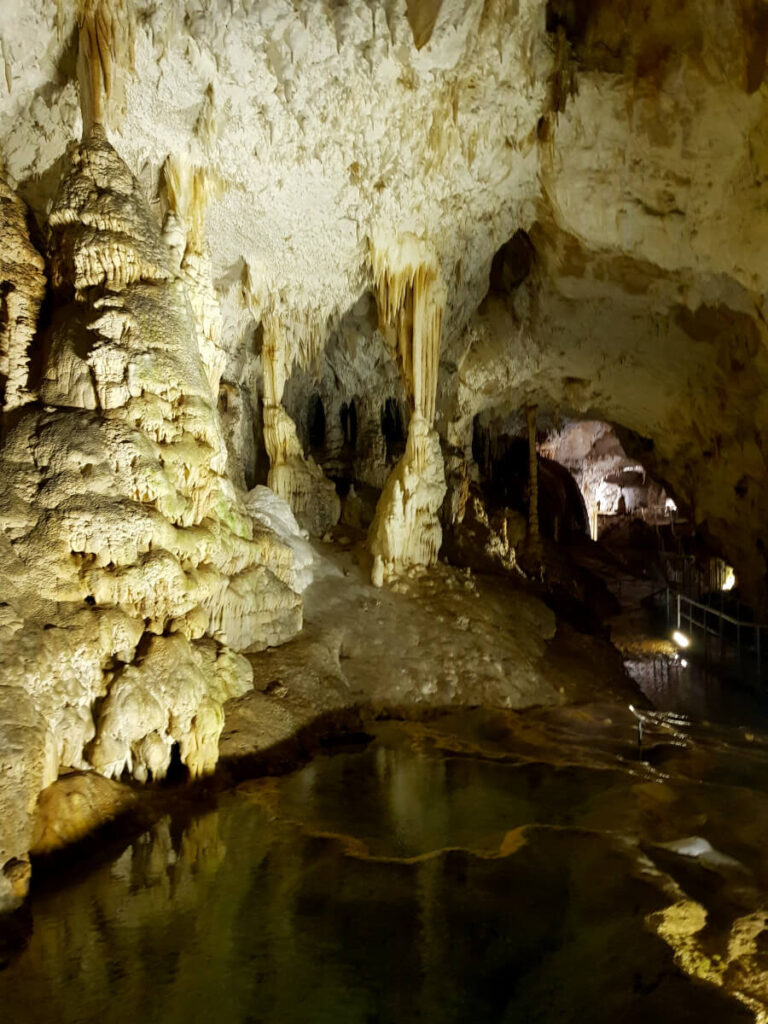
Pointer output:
x,y
133,573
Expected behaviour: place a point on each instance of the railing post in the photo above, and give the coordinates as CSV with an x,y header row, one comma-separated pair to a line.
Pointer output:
x,y
667,618
758,630
678,611
757,645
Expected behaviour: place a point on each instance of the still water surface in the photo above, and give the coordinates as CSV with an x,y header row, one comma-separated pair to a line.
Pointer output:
x,y
481,869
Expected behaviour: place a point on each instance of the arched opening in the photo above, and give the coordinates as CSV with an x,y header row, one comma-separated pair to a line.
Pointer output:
x,y
504,474
614,484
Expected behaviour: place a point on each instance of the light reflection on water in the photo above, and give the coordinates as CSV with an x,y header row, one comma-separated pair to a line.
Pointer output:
x,y
389,884
697,690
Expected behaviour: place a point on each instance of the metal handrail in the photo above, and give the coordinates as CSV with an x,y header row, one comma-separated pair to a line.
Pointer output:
x,y
721,614
743,626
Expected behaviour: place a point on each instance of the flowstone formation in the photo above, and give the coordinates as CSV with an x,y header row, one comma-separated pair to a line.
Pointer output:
x,y
188,190
132,572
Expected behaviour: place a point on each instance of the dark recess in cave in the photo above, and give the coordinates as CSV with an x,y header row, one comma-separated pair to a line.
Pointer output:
x,y
512,263
316,423
348,416
504,471
393,429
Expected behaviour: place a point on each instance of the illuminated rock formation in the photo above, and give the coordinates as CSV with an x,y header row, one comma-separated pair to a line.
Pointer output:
x,y
23,289
188,190
410,294
573,196
296,478
133,573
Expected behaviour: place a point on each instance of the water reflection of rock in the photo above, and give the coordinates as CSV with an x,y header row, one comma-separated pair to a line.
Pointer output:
x,y
383,885
92,938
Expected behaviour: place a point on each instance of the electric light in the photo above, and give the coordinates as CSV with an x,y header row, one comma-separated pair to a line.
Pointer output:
x,y
681,639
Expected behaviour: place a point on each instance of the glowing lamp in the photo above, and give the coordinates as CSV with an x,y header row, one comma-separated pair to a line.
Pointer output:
x,y
681,639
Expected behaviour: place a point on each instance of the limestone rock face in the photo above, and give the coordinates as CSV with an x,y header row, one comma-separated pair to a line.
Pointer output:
x,y
132,571
325,123
626,142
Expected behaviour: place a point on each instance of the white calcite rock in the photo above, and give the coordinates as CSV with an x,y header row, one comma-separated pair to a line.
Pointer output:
x,y
172,694
326,157
22,292
272,511
296,478
410,294
123,545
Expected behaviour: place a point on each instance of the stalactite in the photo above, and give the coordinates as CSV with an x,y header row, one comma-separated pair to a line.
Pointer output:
x,y
411,297
106,49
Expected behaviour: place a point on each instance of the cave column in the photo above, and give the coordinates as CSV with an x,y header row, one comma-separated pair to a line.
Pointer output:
x,y
533,481
410,295
22,289
370,466
299,480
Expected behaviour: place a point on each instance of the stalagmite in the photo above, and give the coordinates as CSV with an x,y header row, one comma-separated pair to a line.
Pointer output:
x,y
132,572
533,479
22,288
410,295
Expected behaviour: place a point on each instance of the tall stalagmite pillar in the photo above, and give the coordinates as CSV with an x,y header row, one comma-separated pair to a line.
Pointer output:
x,y
533,481
411,297
296,478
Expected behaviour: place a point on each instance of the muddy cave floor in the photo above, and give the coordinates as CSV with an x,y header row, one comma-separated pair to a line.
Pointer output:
x,y
471,677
